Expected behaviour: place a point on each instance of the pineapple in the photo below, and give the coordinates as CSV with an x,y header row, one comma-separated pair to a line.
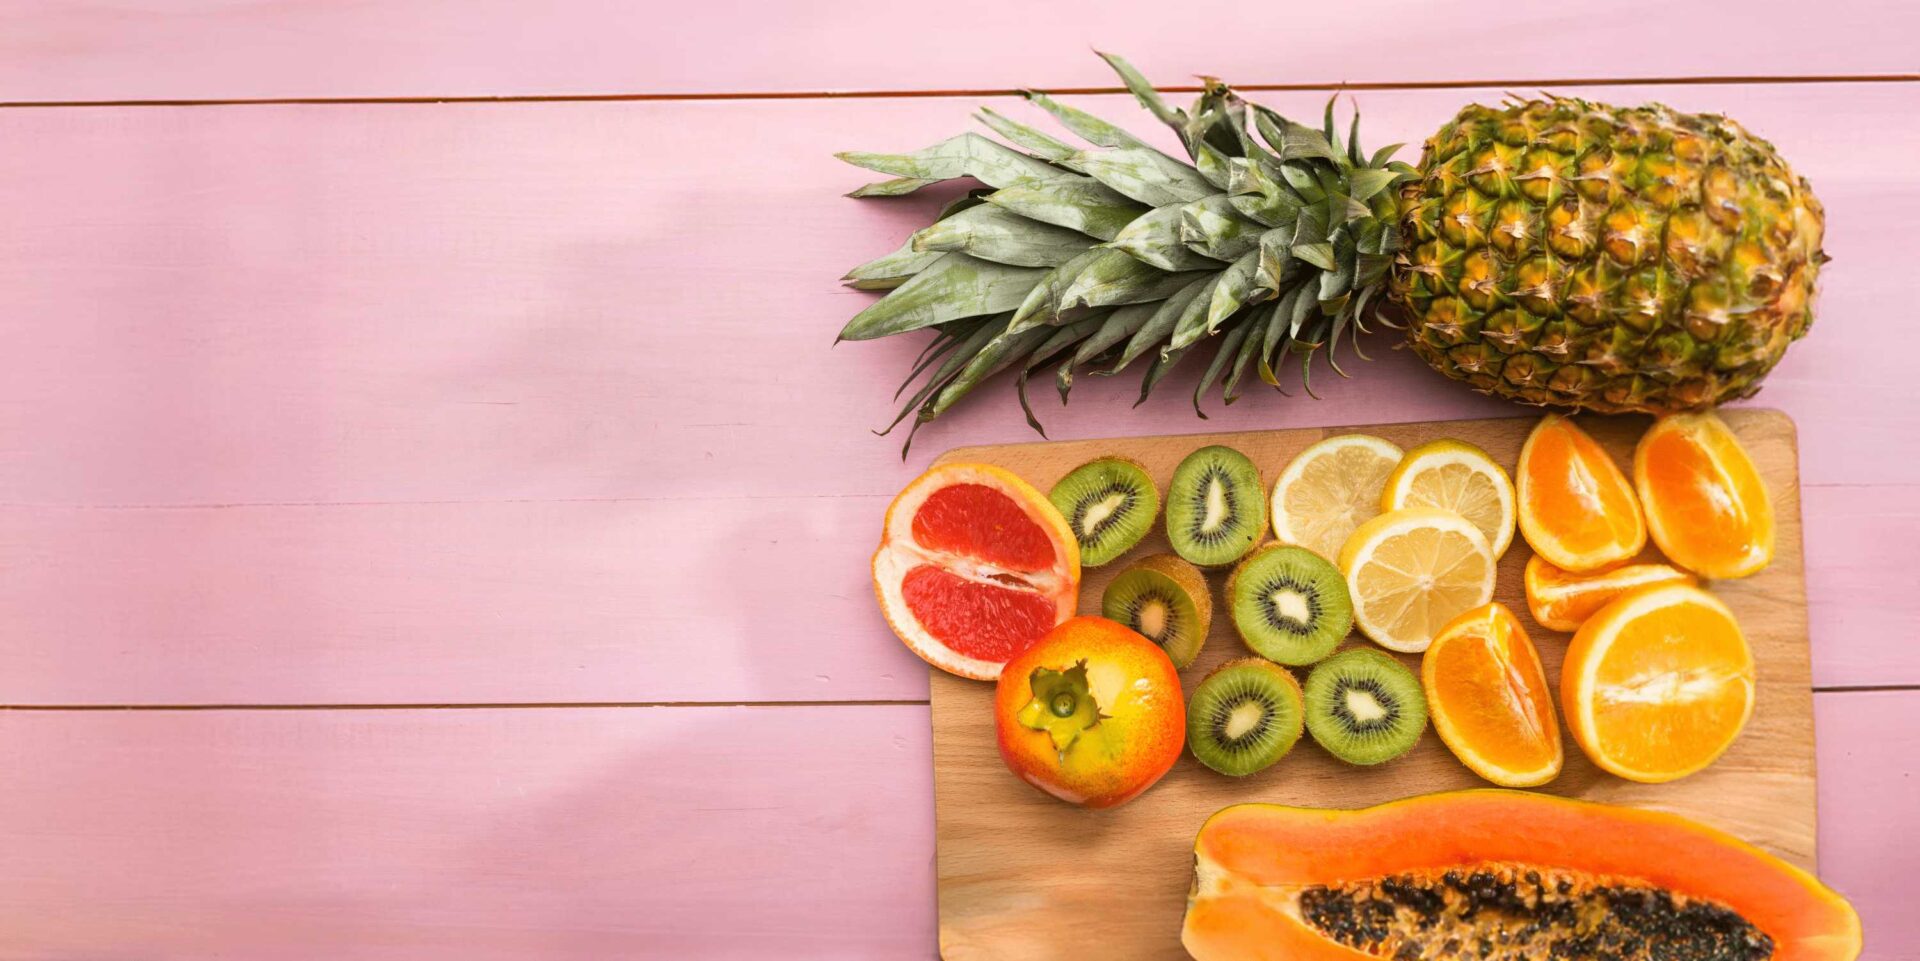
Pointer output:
x,y
1556,252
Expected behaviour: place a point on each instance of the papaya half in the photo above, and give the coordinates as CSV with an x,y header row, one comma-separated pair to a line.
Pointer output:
x,y
1500,876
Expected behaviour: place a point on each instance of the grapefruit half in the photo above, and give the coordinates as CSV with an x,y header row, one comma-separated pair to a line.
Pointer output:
x,y
974,566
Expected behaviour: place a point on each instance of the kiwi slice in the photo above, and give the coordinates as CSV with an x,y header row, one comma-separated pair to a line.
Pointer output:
x,y
1364,707
1216,509
1289,604
1165,599
1110,503
1245,716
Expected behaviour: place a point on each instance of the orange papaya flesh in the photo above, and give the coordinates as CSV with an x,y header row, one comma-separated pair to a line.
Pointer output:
x,y
1503,876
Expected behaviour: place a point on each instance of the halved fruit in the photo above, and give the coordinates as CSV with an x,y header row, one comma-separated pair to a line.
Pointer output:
x,y
1658,684
974,565
1576,508
1331,488
1488,697
1562,600
1412,571
1498,874
1456,476
1706,505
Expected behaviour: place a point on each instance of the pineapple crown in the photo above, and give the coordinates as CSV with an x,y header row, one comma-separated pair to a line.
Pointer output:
x,y
1271,239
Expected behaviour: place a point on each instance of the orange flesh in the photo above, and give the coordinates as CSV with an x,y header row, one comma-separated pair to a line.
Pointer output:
x,y
977,521
1575,504
1672,689
1490,699
1712,509
1562,600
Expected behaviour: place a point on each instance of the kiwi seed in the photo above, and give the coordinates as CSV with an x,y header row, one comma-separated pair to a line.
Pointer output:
x,y
1110,504
1165,599
1216,508
1289,604
1246,715
1365,707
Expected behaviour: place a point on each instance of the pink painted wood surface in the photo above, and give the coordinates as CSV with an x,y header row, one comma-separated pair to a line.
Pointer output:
x,y
794,833
199,49
432,381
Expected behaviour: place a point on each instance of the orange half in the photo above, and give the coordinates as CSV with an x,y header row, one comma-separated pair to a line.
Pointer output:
x,y
1658,684
1562,600
1706,505
1576,508
1490,700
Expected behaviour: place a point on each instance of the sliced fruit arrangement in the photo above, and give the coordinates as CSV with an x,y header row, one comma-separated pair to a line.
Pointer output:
x,y
1500,875
1412,571
1289,604
1706,505
1110,503
974,565
1364,707
1216,511
1091,713
1489,698
1658,684
1562,600
1246,715
1165,600
1456,476
1330,489
1575,506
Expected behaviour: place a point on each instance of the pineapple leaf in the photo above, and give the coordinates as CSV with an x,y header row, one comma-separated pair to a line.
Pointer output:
x,y
1002,236
1364,182
1162,365
954,287
1291,140
1380,157
1318,254
1213,227
892,270
1256,328
992,359
1191,327
898,187
1229,349
1117,278
1355,156
1161,325
1149,176
1040,143
1087,126
1081,204
1155,239
1144,92
1114,330
967,155
1235,290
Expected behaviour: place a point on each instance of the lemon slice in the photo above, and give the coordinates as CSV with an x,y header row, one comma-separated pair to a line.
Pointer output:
x,y
1329,490
1459,477
1411,571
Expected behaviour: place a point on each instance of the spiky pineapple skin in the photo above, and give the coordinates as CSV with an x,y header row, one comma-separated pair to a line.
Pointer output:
x,y
1570,254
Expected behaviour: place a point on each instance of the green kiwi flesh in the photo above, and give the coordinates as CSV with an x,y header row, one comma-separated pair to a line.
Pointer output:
x,y
1110,503
1364,707
1166,600
1289,604
1216,509
1246,715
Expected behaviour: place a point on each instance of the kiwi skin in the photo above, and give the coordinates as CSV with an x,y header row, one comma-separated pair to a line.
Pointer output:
x,y
1286,710
1121,531
1388,677
1335,619
1227,547
1188,580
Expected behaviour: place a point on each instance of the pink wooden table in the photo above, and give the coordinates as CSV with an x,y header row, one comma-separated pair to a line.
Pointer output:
x,y
438,530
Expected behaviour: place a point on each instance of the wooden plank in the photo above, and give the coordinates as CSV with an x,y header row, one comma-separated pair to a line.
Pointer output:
x,y
335,310
153,49
590,834
1022,874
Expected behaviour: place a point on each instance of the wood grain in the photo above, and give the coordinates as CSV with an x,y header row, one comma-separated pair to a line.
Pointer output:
x,y
1024,876
223,49
237,332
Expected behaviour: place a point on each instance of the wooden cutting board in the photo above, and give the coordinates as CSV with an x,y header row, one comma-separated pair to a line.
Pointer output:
x,y
1024,876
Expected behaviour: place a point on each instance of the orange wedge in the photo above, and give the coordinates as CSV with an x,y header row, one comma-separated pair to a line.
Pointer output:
x,y
1490,700
1562,600
1576,508
1706,505
1658,684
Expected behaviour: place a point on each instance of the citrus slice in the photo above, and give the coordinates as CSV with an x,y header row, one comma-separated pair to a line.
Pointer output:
x,y
1576,508
974,565
1562,600
1489,698
1455,476
1706,505
1330,489
1658,683
1412,571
